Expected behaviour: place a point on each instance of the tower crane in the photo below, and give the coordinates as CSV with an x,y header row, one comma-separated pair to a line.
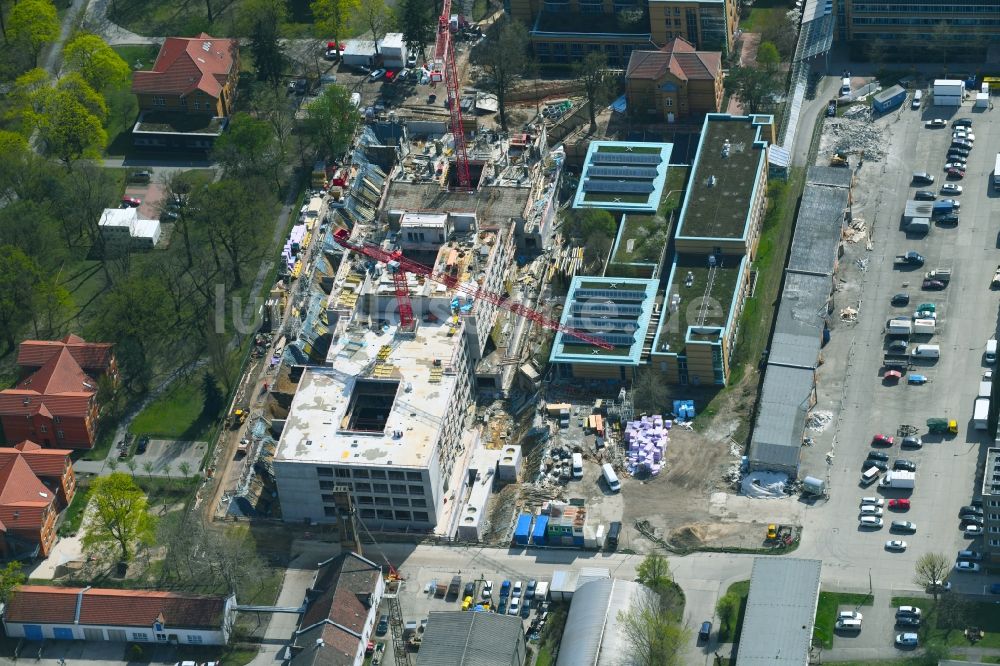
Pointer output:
x,y
443,68
399,265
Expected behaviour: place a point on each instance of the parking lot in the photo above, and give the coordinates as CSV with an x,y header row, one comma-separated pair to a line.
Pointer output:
x,y
850,380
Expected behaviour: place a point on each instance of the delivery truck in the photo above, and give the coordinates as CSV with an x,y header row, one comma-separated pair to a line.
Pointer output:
x,y
981,413
924,326
996,173
899,479
898,327
939,274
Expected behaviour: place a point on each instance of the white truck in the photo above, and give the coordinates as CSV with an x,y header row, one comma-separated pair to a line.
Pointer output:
x,y
981,413
898,479
898,327
924,326
996,173
541,591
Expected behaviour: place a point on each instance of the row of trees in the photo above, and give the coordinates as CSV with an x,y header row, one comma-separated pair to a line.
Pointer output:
x,y
654,630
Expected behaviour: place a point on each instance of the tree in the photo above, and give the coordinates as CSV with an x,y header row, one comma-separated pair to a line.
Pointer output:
x,y
653,637
69,129
649,391
582,224
754,87
147,467
18,277
247,148
132,465
768,57
33,23
503,57
781,29
260,21
50,302
331,121
113,464
120,518
654,572
213,400
231,212
185,468
271,105
95,61
416,20
11,576
726,608
374,17
592,73
595,252
332,17
954,612
930,569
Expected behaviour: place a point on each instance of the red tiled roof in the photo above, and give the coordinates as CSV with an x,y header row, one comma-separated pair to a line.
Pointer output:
x,y
60,374
120,608
187,64
20,486
43,462
678,57
41,603
91,356
66,404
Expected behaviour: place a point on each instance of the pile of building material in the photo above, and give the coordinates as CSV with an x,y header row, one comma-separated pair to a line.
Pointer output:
x,y
557,465
764,485
858,136
819,420
646,440
856,231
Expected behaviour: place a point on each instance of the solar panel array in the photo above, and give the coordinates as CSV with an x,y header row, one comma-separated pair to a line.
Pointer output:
x,y
602,157
622,186
645,173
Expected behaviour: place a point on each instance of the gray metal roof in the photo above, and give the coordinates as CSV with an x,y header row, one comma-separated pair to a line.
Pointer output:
x,y
889,93
818,229
777,434
465,638
592,636
827,175
781,610
802,312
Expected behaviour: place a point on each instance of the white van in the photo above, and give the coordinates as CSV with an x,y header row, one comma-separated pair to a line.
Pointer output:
x,y
577,466
917,97
849,625
845,87
927,351
869,476
356,100
991,352
614,485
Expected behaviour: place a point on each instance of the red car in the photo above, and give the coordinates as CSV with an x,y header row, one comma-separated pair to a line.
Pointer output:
x,y
131,202
899,504
882,440
956,174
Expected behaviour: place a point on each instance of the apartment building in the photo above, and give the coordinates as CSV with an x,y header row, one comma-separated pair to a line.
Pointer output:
x,y
903,24
991,505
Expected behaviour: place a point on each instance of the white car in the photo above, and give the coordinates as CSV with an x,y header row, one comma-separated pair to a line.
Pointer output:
x,y
951,188
869,510
955,165
870,521
872,501
937,122
967,136
516,590
514,607
908,610
895,545
849,615
988,376
487,590
967,566
973,530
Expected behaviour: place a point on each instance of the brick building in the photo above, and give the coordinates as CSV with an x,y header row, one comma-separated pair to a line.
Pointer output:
x,y
35,484
675,82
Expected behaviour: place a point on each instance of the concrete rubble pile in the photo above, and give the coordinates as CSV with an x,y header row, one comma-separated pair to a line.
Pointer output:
x,y
858,136
819,421
646,440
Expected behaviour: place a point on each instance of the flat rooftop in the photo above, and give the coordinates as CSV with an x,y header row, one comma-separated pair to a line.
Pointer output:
x,y
780,612
623,176
493,205
639,245
615,309
379,386
727,166
689,278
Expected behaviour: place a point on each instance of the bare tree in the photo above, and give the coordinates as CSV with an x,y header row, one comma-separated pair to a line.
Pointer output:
x,y
503,57
374,17
930,570
653,638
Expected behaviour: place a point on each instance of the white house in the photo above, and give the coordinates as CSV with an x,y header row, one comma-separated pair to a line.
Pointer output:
x,y
39,612
339,617
122,227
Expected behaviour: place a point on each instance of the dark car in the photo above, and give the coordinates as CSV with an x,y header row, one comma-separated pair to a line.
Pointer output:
x,y
470,590
831,109
962,122
950,218
907,621
924,195
880,464
897,347
923,178
958,152
912,442
382,628
906,465
142,444
971,509
140,176
932,285
900,299
878,455
705,632
973,518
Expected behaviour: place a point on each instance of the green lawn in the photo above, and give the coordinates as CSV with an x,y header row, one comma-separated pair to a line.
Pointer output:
x,y
73,515
826,613
176,414
758,16
947,631
138,56
673,189
184,18
729,634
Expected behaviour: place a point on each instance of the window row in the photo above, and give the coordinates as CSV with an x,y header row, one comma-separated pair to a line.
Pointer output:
x,y
386,514
350,473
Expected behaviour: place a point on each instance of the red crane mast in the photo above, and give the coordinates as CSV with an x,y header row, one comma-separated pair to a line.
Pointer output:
x,y
401,265
443,68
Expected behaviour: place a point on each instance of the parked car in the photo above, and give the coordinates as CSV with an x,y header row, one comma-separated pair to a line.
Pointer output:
x,y
516,590
924,195
140,176
904,526
962,122
869,510
970,519
955,165
922,178
515,606
939,586
529,590
873,501
383,625
470,589
878,455
956,174
882,440
964,136
932,285
705,632
142,444
504,589
959,150
906,465
411,60
949,218
968,508
963,565
902,504
896,545
487,590
376,75
850,615
973,530
908,610
900,299
936,123
881,465
131,202
912,442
